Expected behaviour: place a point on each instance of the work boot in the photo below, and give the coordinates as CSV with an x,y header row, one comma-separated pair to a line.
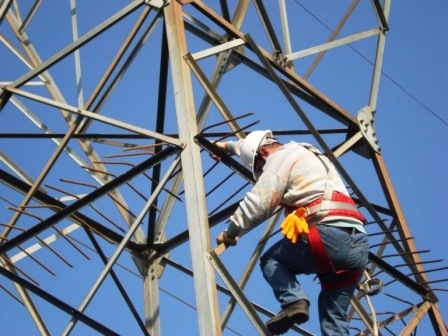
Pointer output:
x,y
296,312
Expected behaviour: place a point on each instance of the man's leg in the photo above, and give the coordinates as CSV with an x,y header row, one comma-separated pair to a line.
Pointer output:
x,y
348,251
281,263
279,266
333,306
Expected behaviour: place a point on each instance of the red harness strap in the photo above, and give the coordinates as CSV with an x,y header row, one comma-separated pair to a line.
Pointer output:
x,y
329,277
338,197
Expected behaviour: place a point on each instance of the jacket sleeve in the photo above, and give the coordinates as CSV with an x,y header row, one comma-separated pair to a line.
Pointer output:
x,y
234,147
258,204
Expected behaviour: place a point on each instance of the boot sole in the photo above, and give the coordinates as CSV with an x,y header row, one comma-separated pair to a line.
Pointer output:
x,y
283,324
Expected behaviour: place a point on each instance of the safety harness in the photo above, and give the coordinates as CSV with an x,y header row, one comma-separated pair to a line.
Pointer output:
x,y
330,204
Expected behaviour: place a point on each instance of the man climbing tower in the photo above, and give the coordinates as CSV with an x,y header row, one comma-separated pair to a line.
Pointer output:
x,y
323,230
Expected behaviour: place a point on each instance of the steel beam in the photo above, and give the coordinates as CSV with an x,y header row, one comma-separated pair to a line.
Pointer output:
x,y
204,280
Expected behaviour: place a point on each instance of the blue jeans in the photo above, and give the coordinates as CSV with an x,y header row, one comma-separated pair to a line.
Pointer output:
x,y
284,260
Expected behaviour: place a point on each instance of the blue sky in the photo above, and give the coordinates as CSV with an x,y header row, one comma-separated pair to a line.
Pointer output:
x,y
411,124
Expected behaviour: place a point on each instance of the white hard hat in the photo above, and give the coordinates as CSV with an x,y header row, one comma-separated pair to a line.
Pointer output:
x,y
250,146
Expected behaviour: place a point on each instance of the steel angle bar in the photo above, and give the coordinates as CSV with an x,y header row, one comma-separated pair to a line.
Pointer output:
x,y
381,14
26,298
108,267
4,7
152,298
30,14
42,242
117,282
285,30
378,208
15,168
437,320
78,43
50,239
251,266
210,89
95,116
47,132
72,196
226,159
199,29
333,35
152,179
334,44
224,9
57,303
70,209
266,22
225,135
217,49
237,293
303,90
227,292
216,18
196,209
362,313
22,58
397,316
240,13
56,205
114,64
392,200
379,57
161,249
342,115
160,124
167,208
347,145
298,86
237,57
396,274
79,218
76,54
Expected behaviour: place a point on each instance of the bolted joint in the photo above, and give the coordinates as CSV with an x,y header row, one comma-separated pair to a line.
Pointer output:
x,y
367,127
280,58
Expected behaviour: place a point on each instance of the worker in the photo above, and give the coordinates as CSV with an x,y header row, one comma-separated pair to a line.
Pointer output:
x,y
323,230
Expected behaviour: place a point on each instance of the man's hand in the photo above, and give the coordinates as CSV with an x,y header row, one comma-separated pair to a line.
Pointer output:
x,y
224,237
222,146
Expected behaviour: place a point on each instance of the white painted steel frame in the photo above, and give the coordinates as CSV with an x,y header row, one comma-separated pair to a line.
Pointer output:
x,y
190,120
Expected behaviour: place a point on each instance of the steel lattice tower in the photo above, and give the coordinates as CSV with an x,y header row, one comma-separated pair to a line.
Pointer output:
x,y
110,201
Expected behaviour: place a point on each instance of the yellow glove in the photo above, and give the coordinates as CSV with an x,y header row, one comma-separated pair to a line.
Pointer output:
x,y
294,225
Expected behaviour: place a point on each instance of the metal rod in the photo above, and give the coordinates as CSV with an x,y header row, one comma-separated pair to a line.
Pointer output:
x,y
57,303
87,199
117,253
